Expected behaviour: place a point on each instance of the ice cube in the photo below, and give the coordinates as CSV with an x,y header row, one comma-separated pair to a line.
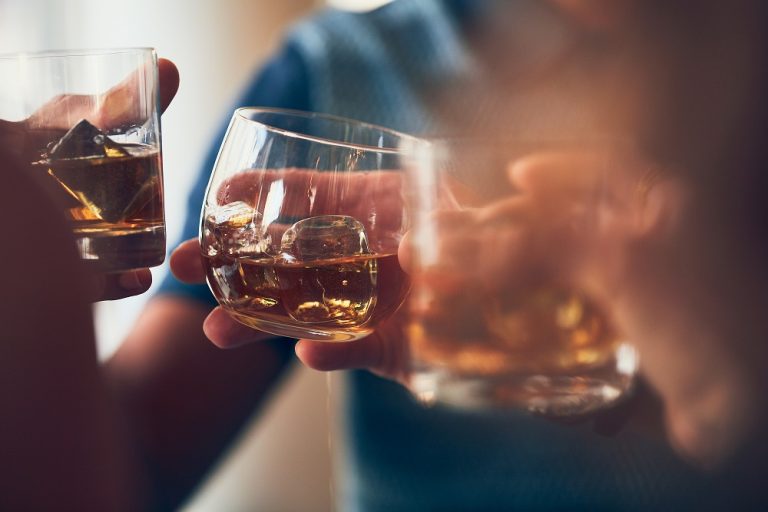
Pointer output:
x,y
235,229
323,273
122,186
84,140
324,237
238,214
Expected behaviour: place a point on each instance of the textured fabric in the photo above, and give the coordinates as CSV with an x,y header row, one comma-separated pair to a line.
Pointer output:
x,y
403,457
380,67
376,66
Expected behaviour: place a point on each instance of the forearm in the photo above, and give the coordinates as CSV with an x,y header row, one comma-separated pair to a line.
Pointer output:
x,y
59,445
185,400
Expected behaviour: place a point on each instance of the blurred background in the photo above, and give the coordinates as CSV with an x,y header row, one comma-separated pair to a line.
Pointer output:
x,y
283,461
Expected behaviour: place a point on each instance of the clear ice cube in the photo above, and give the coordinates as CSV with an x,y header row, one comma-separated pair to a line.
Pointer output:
x,y
321,280
324,237
235,229
84,140
108,181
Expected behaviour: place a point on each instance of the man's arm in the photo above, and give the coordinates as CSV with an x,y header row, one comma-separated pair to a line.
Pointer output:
x,y
183,399
59,444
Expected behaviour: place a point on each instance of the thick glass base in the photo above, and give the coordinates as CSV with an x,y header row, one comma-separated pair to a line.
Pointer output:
x,y
566,394
122,248
296,331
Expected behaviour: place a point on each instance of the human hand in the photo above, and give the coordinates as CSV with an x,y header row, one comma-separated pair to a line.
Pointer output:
x,y
383,352
109,110
372,198
659,273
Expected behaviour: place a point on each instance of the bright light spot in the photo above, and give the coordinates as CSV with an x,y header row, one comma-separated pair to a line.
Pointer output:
x,y
357,5
626,359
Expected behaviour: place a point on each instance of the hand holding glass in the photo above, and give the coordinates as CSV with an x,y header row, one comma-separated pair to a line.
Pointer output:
x,y
503,245
302,221
88,122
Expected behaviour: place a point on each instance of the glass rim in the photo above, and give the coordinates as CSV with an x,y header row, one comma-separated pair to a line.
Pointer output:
x,y
76,52
483,141
396,149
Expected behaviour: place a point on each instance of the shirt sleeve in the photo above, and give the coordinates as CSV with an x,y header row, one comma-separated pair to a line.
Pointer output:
x,y
281,83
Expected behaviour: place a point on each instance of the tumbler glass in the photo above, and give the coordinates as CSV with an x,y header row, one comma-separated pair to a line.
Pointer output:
x,y
88,123
496,319
302,222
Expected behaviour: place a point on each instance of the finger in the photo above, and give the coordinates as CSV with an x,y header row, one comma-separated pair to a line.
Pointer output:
x,y
118,107
187,263
405,252
448,220
244,186
325,356
558,172
459,194
226,332
385,352
169,82
660,207
120,285
316,192
374,199
123,105
513,209
63,112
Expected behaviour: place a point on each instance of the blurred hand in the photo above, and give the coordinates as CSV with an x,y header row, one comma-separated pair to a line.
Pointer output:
x,y
111,109
671,289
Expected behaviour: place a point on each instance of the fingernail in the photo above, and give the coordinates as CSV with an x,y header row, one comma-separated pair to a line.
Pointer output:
x,y
145,278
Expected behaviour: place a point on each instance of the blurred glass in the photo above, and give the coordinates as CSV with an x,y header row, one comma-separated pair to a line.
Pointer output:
x,y
495,317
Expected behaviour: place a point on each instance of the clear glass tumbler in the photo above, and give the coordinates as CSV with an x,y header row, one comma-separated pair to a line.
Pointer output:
x,y
302,222
497,319
88,123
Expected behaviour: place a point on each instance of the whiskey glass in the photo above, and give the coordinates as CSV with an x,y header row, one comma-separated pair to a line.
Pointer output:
x,y
88,123
301,225
494,319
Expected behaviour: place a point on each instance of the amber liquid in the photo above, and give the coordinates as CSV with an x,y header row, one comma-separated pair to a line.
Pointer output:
x,y
549,350
543,330
336,299
115,204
